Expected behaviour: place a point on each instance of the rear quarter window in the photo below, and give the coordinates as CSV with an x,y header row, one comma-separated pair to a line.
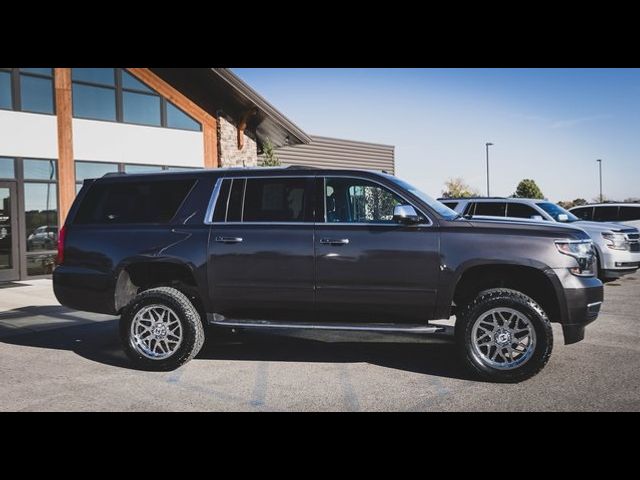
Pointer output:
x,y
629,213
605,214
583,213
150,202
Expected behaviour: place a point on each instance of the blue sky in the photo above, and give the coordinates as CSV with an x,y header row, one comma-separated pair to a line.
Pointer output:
x,y
547,124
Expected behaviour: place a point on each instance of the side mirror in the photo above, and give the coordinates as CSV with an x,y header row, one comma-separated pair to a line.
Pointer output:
x,y
537,217
563,217
406,214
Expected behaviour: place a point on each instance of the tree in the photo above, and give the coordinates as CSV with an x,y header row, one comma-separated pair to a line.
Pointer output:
x,y
528,188
565,205
269,156
579,201
457,188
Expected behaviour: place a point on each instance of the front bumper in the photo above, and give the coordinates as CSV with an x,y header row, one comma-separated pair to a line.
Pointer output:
x,y
616,263
583,297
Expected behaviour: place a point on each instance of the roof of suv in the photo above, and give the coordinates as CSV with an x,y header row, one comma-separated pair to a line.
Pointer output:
x,y
489,199
616,204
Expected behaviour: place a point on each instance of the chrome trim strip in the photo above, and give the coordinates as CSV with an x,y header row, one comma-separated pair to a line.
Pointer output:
x,y
216,192
589,305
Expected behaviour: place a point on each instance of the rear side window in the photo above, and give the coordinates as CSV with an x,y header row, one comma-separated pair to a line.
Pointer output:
x,y
275,200
494,209
520,210
605,214
629,213
150,202
584,213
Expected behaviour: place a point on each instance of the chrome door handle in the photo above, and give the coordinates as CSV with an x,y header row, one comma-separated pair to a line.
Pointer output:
x,y
228,239
334,241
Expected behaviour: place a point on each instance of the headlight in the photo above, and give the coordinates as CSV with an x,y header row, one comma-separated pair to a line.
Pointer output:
x,y
616,241
582,251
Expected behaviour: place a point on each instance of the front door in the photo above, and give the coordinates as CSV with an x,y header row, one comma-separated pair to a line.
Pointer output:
x,y
368,267
261,263
8,233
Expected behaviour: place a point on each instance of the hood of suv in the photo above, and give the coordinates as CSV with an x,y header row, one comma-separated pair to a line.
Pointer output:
x,y
529,227
604,227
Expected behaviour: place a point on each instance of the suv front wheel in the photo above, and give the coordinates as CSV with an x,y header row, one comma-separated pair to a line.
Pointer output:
x,y
504,336
161,329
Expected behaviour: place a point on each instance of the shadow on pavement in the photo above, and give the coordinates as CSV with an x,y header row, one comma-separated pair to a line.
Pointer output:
x,y
98,341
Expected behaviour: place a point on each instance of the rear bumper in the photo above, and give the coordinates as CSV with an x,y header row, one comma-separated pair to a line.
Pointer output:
x,y
84,289
583,297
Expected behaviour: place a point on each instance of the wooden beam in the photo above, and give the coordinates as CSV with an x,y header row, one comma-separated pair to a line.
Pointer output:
x,y
208,121
66,165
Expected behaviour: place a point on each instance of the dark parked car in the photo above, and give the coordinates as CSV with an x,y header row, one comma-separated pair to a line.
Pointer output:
x,y
318,249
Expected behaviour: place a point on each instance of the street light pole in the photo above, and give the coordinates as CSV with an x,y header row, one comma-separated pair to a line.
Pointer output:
x,y
600,167
487,146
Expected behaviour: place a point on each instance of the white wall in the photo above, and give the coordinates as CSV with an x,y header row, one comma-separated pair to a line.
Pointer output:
x,y
28,135
119,142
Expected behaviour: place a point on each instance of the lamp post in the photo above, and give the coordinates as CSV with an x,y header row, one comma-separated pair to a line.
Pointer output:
x,y
600,168
487,146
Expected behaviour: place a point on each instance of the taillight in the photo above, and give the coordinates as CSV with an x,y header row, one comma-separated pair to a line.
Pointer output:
x,y
61,235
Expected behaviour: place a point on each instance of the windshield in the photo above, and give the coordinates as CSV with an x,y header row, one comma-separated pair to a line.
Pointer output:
x,y
442,209
555,210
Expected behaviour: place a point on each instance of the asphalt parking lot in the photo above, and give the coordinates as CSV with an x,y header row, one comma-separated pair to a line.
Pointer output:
x,y
56,359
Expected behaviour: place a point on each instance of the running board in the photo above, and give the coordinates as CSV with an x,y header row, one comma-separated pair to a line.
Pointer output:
x,y
362,327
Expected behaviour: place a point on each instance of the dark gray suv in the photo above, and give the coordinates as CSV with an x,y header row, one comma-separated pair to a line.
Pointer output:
x,y
303,248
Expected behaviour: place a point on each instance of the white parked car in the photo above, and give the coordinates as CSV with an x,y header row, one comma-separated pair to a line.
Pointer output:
x,y
617,245
627,213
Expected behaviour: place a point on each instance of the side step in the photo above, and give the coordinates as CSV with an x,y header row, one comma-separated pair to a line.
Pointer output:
x,y
220,321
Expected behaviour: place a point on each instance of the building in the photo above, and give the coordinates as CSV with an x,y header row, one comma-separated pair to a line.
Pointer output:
x,y
59,126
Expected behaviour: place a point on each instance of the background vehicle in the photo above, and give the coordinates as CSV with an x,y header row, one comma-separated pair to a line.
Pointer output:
x,y
617,245
627,213
318,249
43,238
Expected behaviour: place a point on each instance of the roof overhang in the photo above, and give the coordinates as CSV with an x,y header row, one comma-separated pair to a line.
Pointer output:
x,y
215,89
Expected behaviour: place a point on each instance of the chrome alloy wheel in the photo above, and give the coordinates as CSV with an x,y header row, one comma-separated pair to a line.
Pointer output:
x,y
503,338
156,332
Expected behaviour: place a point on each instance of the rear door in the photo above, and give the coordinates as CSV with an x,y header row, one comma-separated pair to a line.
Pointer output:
x,y
369,268
261,263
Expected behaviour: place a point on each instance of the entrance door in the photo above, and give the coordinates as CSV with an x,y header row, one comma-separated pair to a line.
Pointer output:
x,y
8,233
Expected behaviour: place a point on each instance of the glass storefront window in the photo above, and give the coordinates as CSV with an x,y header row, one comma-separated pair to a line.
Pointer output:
x,y
6,168
39,169
142,168
41,226
86,170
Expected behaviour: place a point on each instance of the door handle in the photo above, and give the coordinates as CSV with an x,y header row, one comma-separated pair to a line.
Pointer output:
x,y
229,239
334,241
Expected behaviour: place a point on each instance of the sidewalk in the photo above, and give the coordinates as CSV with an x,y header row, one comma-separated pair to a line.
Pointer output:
x,y
31,306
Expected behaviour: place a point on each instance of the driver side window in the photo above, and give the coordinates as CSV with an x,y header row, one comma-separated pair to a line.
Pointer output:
x,y
352,200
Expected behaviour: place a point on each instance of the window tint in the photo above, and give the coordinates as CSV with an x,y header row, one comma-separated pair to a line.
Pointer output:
x,y
451,205
94,102
583,213
629,213
520,210
234,208
141,108
5,90
36,94
6,168
350,200
494,209
176,118
605,214
133,202
93,169
220,213
470,208
275,200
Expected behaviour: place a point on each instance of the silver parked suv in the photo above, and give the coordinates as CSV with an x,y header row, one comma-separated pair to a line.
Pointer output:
x,y
627,213
617,245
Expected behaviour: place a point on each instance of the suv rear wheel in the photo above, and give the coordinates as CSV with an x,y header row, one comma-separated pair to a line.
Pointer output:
x,y
161,329
504,336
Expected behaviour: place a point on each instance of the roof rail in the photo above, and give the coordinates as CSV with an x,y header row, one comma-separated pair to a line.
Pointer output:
x,y
302,167
474,198
113,174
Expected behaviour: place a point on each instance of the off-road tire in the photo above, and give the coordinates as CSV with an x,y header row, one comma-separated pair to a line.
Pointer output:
x,y
503,297
192,327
